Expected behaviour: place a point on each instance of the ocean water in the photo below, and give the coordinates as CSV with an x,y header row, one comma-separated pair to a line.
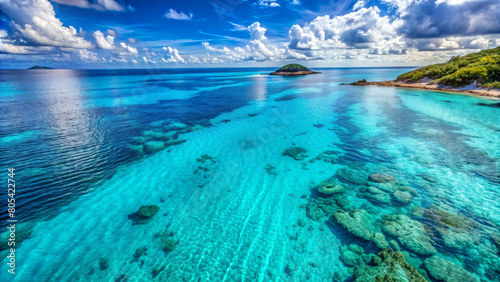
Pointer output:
x,y
206,146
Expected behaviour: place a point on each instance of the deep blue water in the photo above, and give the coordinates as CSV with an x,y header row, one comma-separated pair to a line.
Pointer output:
x,y
91,146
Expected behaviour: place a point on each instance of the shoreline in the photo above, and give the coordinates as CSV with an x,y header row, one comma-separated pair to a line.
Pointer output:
x,y
483,92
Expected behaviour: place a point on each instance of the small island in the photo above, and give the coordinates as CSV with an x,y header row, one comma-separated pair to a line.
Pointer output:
x,y
293,69
476,73
40,68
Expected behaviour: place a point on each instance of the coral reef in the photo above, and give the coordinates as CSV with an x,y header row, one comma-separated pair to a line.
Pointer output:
x,y
144,214
298,153
329,187
443,270
103,263
358,222
410,233
387,265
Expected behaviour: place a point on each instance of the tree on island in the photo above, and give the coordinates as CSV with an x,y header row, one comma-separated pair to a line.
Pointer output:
x,y
40,68
482,67
293,69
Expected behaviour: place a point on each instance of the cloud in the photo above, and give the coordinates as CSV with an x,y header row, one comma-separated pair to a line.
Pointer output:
x,y
455,2
238,27
127,50
12,49
358,5
86,55
111,32
3,33
362,29
417,26
267,3
258,49
102,5
440,18
452,43
104,42
257,32
132,40
480,43
172,55
175,15
401,6
428,19
35,22
107,43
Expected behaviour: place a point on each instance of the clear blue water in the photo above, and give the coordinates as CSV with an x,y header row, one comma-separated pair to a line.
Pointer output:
x,y
91,147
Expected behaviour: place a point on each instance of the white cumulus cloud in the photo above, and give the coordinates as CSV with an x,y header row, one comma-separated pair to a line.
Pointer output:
x,y
172,55
104,42
268,3
126,49
258,49
36,22
358,5
363,29
178,15
109,5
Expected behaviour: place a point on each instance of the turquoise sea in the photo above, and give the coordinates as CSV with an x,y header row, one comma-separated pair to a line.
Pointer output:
x,y
257,178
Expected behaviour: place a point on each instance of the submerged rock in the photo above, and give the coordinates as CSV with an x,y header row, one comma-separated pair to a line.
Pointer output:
x,y
351,176
144,214
298,153
410,233
389,265
103,263
447,219
443,270
328,156
381,178
388,187
375,190
376,195
155,146
205,158
158,269
340,276
352,255
314,211
320,207
457,230
358,222
410,190
380,241
329,187
148,211
139,252
271,170
403,197
168,242
429,178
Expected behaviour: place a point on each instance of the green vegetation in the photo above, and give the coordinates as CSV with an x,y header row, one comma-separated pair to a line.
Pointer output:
x,y
292,68
40,68
483,67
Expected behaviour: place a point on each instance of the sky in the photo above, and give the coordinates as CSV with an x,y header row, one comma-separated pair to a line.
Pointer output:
x,y
242,33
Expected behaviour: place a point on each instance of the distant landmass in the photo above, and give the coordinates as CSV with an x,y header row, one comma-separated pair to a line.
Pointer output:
x,y
293,69
477,73
40,68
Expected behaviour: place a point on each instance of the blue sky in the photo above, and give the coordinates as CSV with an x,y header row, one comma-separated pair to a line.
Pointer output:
x,y
225,33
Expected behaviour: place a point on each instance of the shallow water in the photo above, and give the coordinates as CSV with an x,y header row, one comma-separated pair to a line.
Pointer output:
x,y
91,147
